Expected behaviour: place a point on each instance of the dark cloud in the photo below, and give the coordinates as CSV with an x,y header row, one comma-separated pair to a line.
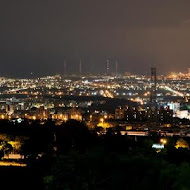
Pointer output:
x,y
37,35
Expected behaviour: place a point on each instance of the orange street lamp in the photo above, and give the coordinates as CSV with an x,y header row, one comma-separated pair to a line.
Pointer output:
x,y
163,141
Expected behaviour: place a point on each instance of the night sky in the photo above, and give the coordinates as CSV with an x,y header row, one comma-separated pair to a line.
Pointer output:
x,y
38,35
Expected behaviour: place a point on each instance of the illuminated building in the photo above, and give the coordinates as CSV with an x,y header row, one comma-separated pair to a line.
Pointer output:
x,y
42,113
9,109
75,114
183,114
60,116
174,106
120,113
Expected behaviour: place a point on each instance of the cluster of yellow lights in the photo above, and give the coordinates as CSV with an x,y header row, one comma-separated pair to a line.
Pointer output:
x,y
181,143
163,141
6,163
174,75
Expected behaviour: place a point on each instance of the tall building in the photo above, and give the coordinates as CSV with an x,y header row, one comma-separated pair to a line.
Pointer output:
x,y
80,67
116,68
152,111
65,67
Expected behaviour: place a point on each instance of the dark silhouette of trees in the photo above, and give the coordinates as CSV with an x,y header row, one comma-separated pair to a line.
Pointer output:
x,y
72,135
99,170
85,160
115,142
41,140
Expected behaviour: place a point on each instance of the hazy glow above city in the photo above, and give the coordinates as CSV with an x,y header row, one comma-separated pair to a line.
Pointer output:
x,y
137,34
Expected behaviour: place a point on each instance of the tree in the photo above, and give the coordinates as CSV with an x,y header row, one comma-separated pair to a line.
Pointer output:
x,y
40,140
73,134
183,178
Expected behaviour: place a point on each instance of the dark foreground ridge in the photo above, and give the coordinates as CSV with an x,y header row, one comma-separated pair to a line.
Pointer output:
x,y
20,178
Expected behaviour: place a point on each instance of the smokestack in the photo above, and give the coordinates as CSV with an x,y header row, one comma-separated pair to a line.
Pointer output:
x,y
65,66
107,67
80,67
116,68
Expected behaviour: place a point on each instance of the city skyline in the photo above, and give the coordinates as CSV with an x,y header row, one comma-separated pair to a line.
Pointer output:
x,y
95,94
